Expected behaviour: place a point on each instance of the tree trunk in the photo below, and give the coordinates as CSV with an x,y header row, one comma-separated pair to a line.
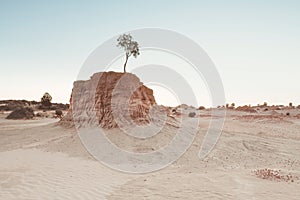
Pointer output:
x,y
125,63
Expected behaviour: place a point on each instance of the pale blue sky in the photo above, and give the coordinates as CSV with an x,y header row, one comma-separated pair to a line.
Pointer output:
x,y
254,44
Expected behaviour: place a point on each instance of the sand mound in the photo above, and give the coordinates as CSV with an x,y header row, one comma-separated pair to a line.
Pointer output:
x,y
21,113
106,93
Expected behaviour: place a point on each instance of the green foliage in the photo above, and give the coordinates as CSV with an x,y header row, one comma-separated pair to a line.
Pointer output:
x,y
130,47
46,100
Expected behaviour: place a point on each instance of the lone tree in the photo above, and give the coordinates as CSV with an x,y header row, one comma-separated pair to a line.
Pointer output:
x,y
131,47
46,100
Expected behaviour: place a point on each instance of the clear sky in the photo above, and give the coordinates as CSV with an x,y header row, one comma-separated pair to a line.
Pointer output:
x,y
255,45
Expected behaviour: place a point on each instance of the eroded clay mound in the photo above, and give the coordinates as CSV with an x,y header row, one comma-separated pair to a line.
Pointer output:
x,y
108,95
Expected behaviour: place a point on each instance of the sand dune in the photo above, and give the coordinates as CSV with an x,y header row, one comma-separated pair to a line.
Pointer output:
x,y
34,174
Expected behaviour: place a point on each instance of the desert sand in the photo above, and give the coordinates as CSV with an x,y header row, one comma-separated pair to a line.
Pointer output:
x,y
41,159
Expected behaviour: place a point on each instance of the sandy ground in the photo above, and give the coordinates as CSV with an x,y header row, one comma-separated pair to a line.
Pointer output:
x,y
43,160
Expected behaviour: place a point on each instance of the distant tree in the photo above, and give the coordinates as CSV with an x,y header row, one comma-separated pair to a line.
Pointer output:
x,y
233,105
265,104
46,100
131,47
291,104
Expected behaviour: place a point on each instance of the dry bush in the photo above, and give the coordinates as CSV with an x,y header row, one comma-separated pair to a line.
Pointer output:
x,y
192,114
58,113
231,106
274,175
21,113
11,105
201,108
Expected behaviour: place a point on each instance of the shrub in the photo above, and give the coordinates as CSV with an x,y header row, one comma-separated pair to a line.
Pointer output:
x,y
265,104
192,114
201,108
59,113
60,106
11,105
21,113
290,104
53,108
